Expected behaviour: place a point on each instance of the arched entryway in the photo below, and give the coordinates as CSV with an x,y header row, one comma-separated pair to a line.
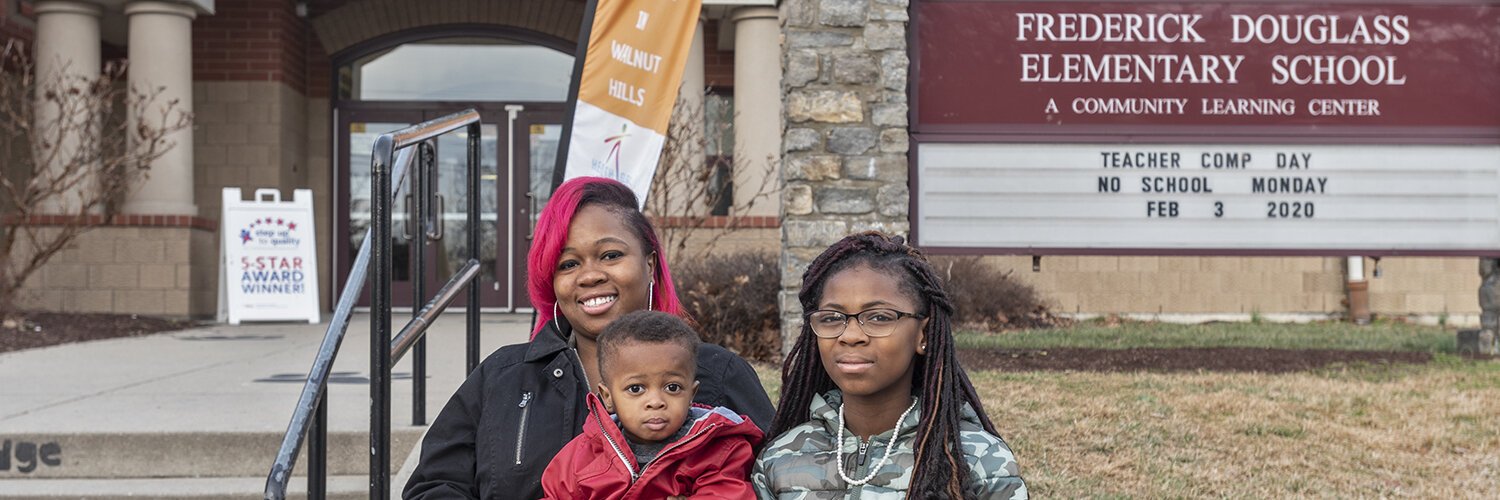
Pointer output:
x,y
518,80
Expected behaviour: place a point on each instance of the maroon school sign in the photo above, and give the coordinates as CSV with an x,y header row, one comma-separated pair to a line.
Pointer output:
x,y
1424,71
1207,128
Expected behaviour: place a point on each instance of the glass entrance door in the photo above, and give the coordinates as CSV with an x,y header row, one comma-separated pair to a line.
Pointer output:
x,y
518,149
446,244
535,132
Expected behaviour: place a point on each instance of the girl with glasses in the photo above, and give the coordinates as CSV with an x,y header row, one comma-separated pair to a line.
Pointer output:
x,y
873,401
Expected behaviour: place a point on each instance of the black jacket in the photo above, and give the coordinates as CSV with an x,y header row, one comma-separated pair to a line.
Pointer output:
x,y
496,435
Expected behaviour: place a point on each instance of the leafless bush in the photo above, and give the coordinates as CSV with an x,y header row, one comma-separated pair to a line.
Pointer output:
x,y
71,156
987,298
733,299
688,186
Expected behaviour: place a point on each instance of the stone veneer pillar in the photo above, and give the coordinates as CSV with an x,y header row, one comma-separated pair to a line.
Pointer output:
x,y
844,168
757,101
66,53
161,56
1487,339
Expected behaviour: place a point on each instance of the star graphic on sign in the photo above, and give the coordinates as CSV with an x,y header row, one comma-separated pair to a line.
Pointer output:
x,y
281,222
292,225
244,236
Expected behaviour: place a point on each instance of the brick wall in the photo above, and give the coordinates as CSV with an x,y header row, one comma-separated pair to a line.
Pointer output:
x,y
251,40
250,72
718,65
138,266
249,134
253,67
17,21
1424,288
343,26
758,239
319,68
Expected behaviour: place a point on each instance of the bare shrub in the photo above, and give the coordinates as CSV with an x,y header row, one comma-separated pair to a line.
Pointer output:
x,y
987,298
70,158
733,299
688,186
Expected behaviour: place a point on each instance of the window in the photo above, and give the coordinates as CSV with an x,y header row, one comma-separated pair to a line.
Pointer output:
x,y
459,69
718,135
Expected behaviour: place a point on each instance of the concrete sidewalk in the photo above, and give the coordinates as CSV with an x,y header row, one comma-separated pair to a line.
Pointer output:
x,y
210,401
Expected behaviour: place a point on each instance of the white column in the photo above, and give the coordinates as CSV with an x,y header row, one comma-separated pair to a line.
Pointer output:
x,y
161,56
67,55
757,103
692,74
688,125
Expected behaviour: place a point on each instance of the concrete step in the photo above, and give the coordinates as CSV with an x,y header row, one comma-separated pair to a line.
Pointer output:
x,y
181,454
349,487
196,413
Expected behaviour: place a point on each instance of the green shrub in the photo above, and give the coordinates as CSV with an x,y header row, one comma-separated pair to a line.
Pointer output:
x,y
733,299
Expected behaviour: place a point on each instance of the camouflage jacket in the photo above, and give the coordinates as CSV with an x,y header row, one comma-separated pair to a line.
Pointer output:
x,y
800,463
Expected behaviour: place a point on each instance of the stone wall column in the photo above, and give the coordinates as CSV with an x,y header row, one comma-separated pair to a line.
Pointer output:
x,y
1486,340
844,168
161,57
66,55
757,102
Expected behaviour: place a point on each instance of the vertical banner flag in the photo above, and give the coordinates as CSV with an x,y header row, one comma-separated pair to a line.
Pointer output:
x,y
631,71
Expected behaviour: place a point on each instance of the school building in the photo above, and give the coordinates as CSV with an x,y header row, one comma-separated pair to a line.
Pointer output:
x,y
842,97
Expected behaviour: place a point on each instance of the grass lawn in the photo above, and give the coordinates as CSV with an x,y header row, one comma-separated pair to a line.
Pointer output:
x,y
1430,431
1380,336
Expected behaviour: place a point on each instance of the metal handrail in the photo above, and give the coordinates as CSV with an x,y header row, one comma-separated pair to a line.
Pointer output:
x,y
390,161
418,324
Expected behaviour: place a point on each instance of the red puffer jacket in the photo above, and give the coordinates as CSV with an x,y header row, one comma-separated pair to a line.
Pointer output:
x,y
712,461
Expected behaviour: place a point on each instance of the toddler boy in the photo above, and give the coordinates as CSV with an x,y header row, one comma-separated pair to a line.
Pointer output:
x,y
644,438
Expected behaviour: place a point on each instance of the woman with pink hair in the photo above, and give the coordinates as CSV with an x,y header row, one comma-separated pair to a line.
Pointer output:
x,y
595,258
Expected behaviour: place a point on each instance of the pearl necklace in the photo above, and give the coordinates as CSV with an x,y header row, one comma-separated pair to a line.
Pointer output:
x,y
875,468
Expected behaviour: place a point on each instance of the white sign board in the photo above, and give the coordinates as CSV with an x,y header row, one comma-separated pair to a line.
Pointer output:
x,y
1229,198
269,264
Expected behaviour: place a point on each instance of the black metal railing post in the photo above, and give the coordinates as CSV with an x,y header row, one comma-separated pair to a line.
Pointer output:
x,y
391,155
317,452
380,318
472,314
423,189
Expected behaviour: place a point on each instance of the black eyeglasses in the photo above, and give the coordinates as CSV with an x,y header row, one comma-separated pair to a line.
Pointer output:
x,y
875,322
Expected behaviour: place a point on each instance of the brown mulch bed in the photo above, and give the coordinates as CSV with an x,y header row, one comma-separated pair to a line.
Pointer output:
x,y
46,329
1215,359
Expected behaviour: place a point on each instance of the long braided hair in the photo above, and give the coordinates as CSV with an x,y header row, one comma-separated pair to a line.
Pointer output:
x,y
940,470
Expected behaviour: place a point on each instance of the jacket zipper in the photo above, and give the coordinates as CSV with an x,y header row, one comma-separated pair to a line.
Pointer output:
x,y
663,453
618,454
521,434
